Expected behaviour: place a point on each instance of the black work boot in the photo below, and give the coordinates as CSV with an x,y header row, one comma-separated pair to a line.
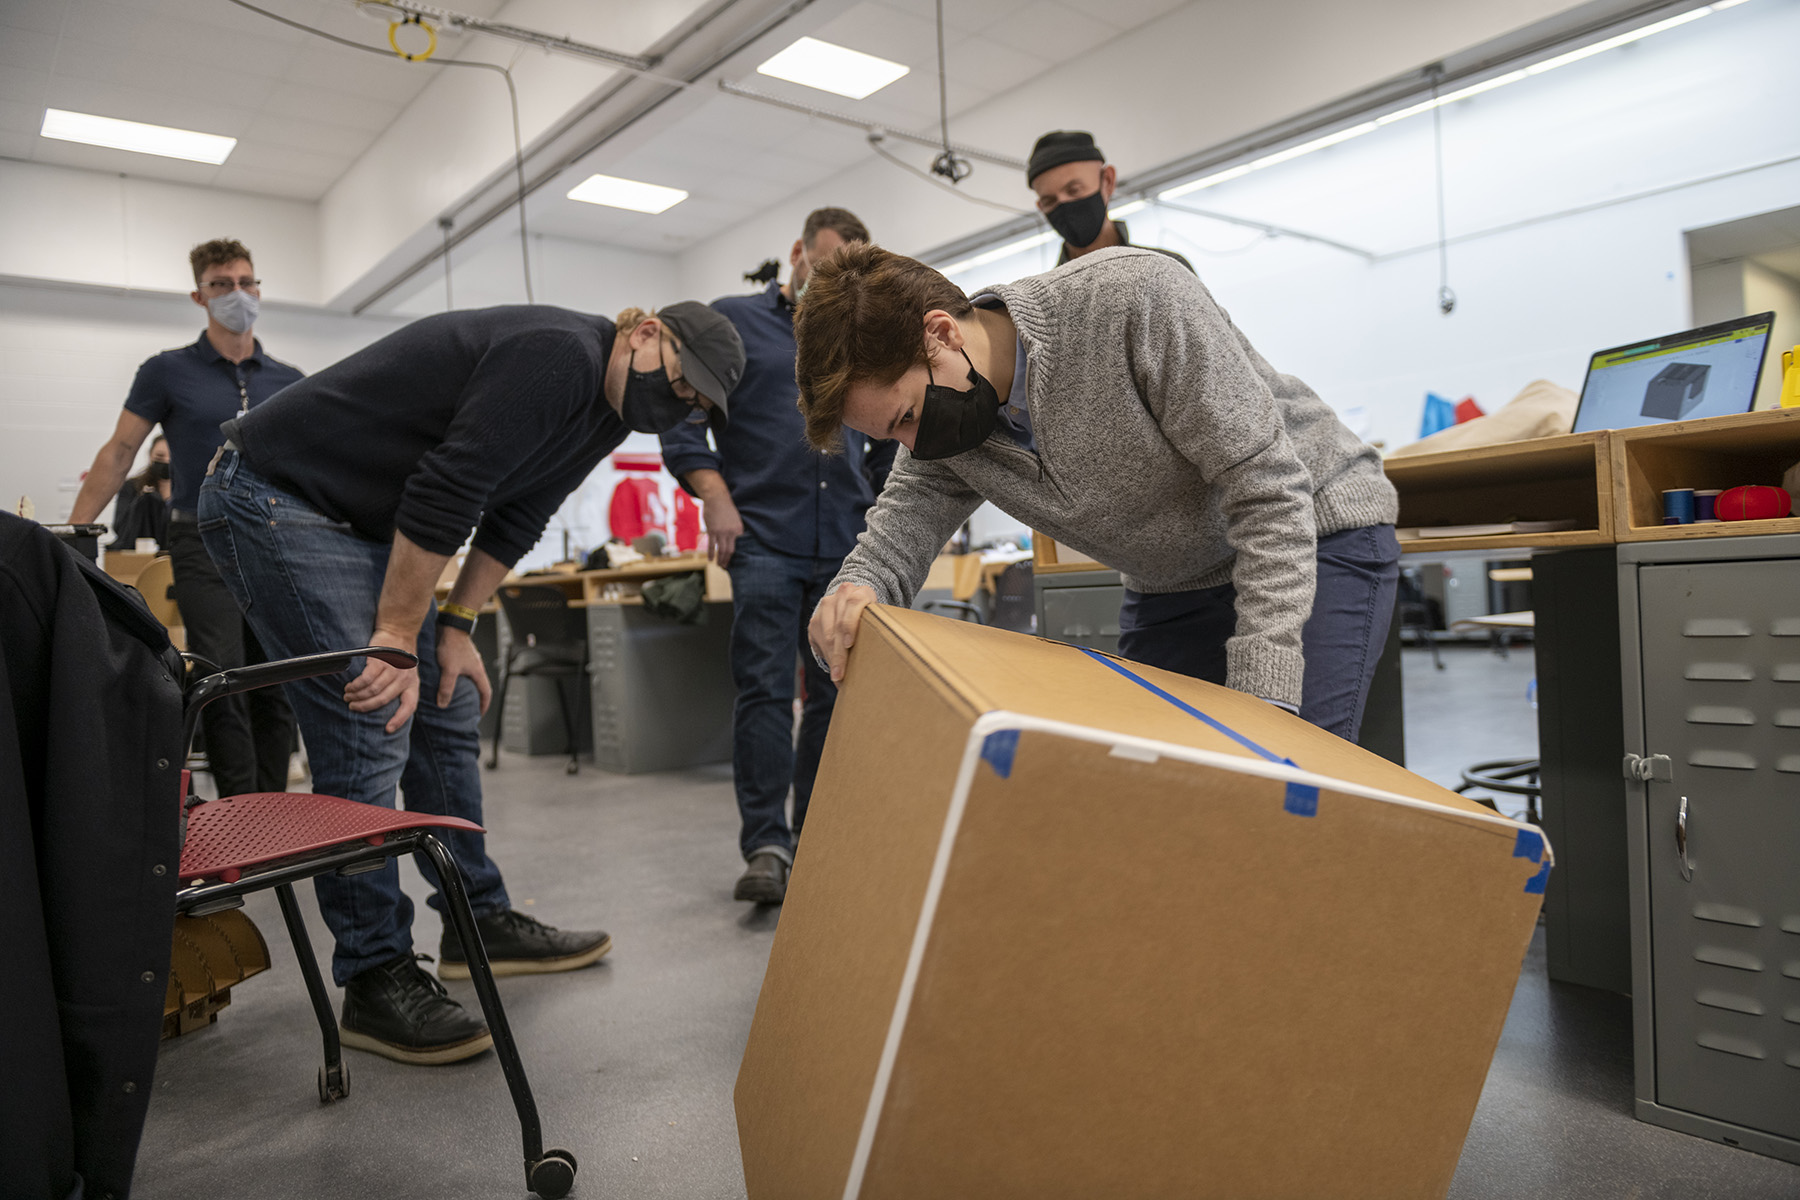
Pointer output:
x,y
399,1011
765,879
518,945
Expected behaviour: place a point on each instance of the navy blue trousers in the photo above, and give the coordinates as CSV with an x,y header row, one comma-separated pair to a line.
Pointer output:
x,y
773,597
1359,573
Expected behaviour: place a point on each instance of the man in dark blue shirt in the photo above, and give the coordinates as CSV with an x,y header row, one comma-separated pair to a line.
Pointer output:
x,y
781,517
332,512
188,392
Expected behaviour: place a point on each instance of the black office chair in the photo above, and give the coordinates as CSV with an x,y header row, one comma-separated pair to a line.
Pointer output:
x,y
1416,613
1015,601
542,644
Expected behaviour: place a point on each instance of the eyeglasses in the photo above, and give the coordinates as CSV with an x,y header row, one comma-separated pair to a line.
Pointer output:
x,y
219,287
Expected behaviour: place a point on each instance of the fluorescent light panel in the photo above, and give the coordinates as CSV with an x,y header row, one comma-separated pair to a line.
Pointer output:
x,y
136,136
835,69
626,193
1476,89
1000,252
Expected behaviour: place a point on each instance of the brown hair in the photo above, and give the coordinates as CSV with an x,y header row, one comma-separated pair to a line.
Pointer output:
x,y
862,320
840,221
216,253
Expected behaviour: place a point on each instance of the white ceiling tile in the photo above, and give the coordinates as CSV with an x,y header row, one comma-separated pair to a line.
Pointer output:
x,y
25,49
976,16
1052,31
23,86
1125,14
41,16
253,156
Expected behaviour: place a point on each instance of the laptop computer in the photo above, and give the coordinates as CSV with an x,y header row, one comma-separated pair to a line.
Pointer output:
x,y
1705,372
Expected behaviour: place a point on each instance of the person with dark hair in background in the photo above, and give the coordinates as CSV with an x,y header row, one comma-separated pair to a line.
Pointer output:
x,y
249,739
142,507
781,517
332,512
1074,185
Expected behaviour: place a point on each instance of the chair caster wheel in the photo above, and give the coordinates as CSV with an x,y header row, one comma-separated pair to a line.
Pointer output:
x,y
492,763
553,1175
571,768
334,1084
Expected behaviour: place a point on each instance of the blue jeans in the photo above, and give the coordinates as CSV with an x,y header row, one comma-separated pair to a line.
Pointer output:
x,y
308,585
1359,574
773,597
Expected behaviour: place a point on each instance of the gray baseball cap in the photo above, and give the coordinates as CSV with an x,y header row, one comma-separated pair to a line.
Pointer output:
x,y
712,353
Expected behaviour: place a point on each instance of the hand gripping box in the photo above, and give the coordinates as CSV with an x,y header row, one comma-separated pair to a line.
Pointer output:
x,y
1066,926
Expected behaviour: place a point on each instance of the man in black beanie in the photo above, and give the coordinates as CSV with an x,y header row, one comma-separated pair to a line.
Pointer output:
x,y
1074,184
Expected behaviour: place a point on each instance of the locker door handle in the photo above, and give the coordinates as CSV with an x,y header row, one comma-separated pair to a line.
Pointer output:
x,y
1681,839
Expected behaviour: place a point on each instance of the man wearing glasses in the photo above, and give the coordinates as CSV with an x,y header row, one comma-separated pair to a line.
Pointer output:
x,y
189,392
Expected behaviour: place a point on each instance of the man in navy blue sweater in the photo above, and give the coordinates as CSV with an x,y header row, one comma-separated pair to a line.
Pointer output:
x,y
332,511
781,517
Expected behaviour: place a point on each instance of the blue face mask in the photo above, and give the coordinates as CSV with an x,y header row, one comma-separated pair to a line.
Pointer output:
x,y
235,310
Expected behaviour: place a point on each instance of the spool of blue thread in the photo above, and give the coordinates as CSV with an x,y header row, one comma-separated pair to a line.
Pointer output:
x,y
1678,506
1704,501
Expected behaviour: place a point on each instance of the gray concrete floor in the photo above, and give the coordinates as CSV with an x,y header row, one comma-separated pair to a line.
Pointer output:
x,y
633,1061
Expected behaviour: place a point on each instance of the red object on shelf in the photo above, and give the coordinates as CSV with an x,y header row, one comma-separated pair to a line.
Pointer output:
x,y
636,509
687,522
1754,503
637,462
1468,410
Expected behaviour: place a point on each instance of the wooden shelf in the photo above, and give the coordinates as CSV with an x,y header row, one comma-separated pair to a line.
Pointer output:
x,y
1047,558
1566,478
1715,452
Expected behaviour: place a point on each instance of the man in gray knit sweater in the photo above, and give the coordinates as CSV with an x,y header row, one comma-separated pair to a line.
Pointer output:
x,y
1114,406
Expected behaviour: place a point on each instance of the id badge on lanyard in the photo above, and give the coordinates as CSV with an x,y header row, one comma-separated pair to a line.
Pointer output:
x,y
243,397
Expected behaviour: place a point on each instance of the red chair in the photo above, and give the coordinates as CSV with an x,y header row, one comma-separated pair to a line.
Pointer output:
x,y
242,844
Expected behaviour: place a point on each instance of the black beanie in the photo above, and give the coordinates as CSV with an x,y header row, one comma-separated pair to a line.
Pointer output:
x,y
1062,146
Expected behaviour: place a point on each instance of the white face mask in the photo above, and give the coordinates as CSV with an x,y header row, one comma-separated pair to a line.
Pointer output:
x,y
807,282
235,310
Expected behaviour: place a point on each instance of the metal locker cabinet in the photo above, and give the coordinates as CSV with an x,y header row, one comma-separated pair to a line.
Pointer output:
x,y
1714,644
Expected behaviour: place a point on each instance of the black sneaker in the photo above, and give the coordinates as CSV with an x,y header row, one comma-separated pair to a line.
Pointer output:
x,y
399,1011
765,879
518,945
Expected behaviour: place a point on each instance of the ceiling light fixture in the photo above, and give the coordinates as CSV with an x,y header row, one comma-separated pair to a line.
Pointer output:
x,y
136,137
1126,210
1476,89
626,193
830,68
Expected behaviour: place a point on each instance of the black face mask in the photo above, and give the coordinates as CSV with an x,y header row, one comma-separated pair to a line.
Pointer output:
x,y
158,471
650,404
953,422
1079,221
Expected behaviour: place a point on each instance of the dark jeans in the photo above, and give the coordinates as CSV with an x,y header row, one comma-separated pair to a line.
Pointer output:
x,y
773,597
308,585
249,738
1359,572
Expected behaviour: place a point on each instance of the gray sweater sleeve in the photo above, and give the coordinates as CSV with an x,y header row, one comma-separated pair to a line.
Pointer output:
x,y
1220,415
921,505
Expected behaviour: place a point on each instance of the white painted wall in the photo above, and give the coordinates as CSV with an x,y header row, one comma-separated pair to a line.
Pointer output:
x,y
121,231
1202,75
67,358
1766,290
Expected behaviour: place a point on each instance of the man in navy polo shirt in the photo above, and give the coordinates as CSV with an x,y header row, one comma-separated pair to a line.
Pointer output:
x,y
781,517
189,392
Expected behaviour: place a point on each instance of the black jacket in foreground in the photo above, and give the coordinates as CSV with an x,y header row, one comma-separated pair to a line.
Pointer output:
x,y
490,415
90,806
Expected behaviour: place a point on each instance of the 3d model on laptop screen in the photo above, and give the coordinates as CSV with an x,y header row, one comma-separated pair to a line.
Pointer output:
x,y
1675,391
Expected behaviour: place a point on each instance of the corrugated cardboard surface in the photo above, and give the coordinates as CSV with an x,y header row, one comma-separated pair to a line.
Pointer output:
x,y
889,768
1141,978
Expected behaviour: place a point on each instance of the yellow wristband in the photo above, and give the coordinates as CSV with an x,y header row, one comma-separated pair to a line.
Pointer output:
x,y
458,610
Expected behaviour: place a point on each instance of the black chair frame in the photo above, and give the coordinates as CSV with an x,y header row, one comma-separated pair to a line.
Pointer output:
x,y
549,1173
520,644
1499,775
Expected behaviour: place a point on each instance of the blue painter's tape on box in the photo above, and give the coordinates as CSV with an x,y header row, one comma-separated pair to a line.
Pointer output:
x,y
997,750
1536,884
1302,800
1529,844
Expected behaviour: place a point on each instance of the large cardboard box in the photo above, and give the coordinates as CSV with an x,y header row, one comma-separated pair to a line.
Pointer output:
x,y
1062,925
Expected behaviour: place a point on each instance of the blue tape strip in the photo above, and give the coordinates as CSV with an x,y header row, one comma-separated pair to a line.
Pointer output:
x,y
1302,800
1529,844
1187,708
997,750
1537,883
